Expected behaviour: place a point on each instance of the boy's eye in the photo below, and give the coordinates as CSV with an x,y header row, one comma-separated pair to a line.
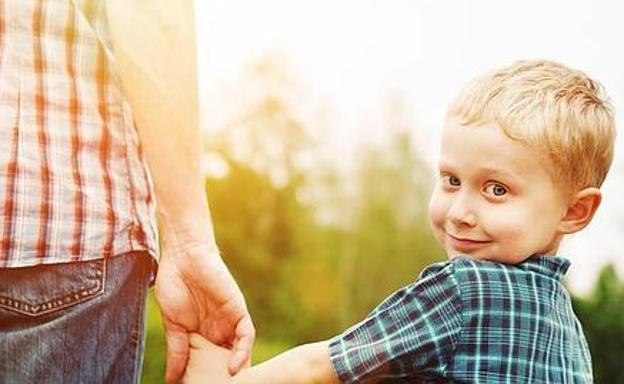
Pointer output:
x,y
451,180
496,189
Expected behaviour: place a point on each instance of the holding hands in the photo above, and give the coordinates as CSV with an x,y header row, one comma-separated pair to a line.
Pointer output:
x,y
197,294
208,363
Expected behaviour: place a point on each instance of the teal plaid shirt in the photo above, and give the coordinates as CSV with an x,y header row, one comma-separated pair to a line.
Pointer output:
x,y
470,321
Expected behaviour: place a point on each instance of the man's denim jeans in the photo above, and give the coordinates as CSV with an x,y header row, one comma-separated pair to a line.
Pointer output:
x,y
74,323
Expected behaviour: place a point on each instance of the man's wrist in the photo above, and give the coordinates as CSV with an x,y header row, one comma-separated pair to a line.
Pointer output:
x,y
185,232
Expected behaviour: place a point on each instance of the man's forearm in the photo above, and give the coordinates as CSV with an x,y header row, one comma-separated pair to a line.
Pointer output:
x,y
154,44
306,364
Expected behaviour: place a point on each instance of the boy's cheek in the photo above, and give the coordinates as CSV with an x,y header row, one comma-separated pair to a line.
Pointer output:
x,y
507,222
437,216
438,208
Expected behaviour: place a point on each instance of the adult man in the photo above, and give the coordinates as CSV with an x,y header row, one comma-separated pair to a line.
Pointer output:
x,y
90,92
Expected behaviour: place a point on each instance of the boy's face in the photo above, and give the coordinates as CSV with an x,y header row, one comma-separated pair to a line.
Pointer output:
x,y
494,198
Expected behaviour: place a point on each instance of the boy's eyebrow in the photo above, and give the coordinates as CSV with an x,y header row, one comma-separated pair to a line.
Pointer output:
x,y
499,172
486,170
443,165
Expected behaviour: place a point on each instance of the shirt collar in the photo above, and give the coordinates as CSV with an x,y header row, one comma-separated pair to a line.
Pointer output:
x,y
552,266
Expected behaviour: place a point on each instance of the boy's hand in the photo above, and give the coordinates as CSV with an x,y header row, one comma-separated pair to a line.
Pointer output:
x,y
208,363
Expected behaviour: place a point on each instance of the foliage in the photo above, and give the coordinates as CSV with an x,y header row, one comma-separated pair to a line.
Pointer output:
x,y
602,316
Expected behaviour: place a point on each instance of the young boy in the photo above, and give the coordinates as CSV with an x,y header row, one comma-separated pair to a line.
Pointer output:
x,y
524,152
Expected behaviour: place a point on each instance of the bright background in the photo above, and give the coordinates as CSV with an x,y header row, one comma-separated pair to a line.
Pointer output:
x,y
322,121
356,54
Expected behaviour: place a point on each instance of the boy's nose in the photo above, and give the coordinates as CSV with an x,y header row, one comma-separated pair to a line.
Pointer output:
x,y
460,214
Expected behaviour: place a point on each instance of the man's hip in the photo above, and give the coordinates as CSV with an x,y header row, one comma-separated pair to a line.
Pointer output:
x,y
74,322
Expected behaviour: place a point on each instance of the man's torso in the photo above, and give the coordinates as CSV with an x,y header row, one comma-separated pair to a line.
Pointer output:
x,y
74,184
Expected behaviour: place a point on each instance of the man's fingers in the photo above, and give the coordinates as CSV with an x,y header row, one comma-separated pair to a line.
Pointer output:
x,y
237,362
245,336
177,353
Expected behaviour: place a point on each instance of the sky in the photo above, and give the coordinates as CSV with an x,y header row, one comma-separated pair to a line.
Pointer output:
x,y
356,53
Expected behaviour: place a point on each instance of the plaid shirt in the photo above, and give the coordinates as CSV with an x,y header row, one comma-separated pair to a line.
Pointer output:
x,y
74,184
469,321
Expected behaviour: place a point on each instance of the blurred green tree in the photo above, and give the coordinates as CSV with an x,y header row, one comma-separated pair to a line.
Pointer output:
x,y
390,242
602,316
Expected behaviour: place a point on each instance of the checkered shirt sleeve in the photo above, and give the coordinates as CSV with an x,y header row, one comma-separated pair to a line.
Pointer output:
x,y
411,334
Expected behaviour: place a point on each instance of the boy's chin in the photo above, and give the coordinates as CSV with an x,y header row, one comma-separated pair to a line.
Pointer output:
x,y
453,255
476,255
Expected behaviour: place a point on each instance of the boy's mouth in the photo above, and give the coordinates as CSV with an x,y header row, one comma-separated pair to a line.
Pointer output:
x,y
465,244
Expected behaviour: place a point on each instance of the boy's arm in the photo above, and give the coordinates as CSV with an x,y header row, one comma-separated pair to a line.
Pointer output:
x,y
207,362
305,364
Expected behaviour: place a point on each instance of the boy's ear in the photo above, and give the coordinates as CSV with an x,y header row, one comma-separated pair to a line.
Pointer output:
x,y
581,210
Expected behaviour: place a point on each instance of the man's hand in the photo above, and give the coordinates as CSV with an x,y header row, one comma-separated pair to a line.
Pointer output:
x,y
197,293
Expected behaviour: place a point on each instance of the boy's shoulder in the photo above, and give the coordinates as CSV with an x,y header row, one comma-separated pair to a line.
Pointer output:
x,y
464,268
474,274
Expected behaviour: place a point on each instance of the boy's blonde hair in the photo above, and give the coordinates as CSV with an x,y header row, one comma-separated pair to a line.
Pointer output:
x,y
557,110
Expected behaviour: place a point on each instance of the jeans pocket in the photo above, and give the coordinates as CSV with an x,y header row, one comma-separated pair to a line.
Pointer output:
x,y
44,289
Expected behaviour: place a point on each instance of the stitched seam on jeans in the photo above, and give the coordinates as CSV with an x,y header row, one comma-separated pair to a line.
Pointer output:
x,y
140,306
134,331
62,302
